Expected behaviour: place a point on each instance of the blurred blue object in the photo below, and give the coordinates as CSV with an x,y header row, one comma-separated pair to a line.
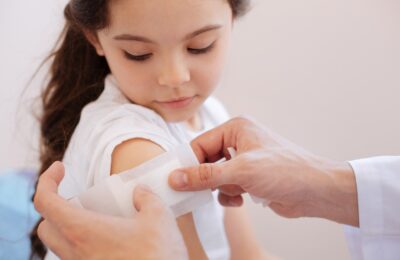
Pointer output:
x,y
17,214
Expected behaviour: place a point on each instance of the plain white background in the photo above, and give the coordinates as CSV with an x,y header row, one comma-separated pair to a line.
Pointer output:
x,y
325,74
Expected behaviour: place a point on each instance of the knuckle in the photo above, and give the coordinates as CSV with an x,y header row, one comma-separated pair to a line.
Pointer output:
x,y
244,120
40,230
206,174
37,202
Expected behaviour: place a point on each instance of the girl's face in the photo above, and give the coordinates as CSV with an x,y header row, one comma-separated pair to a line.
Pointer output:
x,y
167,55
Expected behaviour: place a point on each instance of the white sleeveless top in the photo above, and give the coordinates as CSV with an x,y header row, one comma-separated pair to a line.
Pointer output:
x,y
113,119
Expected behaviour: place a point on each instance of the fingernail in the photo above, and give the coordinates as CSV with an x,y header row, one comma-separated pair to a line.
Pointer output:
x,y
179,179
235,202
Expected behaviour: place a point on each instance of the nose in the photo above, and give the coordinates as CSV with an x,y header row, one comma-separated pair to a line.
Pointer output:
x,y
174,74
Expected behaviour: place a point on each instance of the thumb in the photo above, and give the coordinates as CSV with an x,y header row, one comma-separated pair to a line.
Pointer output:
x,y
53,176
47,187
145,201
204,176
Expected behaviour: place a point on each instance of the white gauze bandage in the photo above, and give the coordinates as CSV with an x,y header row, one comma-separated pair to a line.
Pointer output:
x,y
114,196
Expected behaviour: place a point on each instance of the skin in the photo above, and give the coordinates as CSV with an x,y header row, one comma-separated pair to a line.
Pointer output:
x,y
295,182
170,38
135,151
173,67
131,154
75,233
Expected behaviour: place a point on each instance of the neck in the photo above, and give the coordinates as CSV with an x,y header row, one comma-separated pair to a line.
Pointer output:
x,y
194,123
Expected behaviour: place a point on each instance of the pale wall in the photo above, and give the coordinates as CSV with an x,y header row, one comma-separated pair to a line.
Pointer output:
x,y
323,73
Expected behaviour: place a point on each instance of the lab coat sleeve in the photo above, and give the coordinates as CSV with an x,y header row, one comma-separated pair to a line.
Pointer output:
x,y
378,190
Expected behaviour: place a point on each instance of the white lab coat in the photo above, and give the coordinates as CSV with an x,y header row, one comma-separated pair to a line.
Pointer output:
x,y
378,189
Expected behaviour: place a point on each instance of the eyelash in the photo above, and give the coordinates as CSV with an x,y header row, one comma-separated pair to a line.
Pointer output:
x,y
201,51
137,58
142,58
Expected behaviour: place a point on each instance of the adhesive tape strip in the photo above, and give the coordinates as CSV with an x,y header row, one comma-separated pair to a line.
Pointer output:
x,y
114,195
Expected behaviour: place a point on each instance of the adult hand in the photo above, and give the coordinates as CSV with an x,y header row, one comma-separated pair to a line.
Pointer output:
x,y
295,182
74,233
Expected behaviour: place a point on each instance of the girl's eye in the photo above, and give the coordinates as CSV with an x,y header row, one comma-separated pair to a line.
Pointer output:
x,y
137,57
201,51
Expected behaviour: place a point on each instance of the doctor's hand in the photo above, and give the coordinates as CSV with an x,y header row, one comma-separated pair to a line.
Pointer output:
x,y
74,233
293,182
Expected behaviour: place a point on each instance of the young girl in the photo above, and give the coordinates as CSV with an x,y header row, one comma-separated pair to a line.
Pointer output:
x,y
130,80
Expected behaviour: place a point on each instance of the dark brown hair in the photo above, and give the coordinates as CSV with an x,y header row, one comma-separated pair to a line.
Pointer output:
x,y
76,78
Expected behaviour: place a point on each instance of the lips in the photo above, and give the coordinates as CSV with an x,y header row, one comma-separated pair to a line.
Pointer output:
x,y
177,103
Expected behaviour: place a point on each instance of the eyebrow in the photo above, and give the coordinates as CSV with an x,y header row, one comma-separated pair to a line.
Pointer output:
x,y
129,37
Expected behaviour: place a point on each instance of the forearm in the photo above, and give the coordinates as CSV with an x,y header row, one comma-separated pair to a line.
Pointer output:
x,y
334,196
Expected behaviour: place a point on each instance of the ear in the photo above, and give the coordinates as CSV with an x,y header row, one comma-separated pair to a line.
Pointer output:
x,y
94,41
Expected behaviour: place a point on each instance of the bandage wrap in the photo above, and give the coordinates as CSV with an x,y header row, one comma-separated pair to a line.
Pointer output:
x,y
114,196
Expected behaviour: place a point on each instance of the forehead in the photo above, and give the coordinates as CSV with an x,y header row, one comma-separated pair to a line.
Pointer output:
x,y
178,16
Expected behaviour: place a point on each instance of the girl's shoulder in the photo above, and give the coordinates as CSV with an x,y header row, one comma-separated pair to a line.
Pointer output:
x,y
104,124
113,108
112,119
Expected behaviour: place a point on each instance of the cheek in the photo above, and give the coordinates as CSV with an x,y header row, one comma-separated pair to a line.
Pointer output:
x,y
133,79
137,88
208,74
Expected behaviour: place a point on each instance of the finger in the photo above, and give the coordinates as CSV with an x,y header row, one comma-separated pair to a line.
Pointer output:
x,y
50,205
231,190
230,201
204,176
53,239
52,177
210,146
147,202
56,172
46,192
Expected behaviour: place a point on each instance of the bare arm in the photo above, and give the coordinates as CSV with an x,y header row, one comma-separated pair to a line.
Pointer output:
x,y
241,237
134,152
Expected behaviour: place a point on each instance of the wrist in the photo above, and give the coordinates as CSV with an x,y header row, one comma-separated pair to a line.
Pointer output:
x,y
336,193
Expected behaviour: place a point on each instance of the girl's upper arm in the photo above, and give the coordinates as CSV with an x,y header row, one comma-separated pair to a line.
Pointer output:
x,y
241,237
132,153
